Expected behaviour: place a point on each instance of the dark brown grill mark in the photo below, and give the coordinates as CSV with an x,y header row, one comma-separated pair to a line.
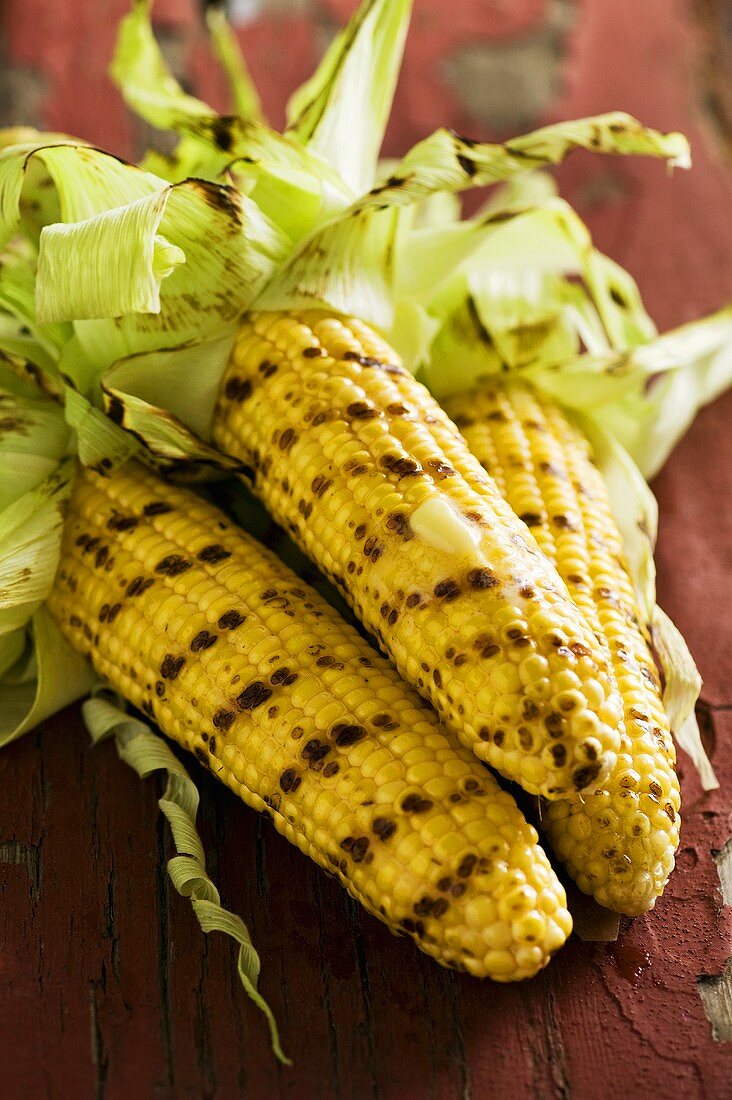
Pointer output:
x,y
383,827
101,556
159,688
413,599
361,410
345,735
203,640
213,553
314,353
173,565
283,676
223,719
231,619
331,769
531,519
447,589
254,695
481,578
327,661
122,523
289,780
584,776
399,522
157,508
314,750
320,485
267,369
237,389
171,666
466,866
287,438
415,804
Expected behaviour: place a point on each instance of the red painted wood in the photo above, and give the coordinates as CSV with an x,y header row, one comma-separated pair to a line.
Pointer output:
x,y
107,987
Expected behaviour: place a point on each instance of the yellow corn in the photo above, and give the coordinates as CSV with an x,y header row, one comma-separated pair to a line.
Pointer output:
x,y
367,473
618,840
237,660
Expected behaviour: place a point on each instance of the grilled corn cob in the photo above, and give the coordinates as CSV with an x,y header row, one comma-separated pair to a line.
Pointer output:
x,y
618,840
366,472
219,643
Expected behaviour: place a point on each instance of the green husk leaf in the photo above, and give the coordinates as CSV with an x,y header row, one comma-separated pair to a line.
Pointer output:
x,y
183,380
225,46
679,373
682,684
33,438
99,442
55,677
87,289
292,186
146,753
359,243
355,80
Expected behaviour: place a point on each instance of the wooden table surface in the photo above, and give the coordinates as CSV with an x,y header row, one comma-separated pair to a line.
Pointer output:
x,y
107,987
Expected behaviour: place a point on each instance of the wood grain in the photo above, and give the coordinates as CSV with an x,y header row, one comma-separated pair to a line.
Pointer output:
x,y
107,987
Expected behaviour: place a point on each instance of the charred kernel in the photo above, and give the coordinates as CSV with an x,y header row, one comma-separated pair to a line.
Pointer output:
x,y
231,619
458,889
345,735
584,776
159,688
413,599
91,544
531,519
331,769
289,780
254,696
74,620
173,565
157,508
559,755
498,738
424,906
213,553
237,389
223,719
361,410
171,666
481,578
360,532
383,827
444,884
122,523
113,612
484,733
440,907
467,864
313,353
359,849
203,640
399,522
315,750
655,789
447,589
328,661
287,439
305,508
527,592
283,676
415,804
149,709
101,556
397,409
267,369
437,677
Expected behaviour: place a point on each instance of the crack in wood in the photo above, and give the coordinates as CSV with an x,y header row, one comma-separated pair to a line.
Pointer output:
x,y
24,855
715,990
